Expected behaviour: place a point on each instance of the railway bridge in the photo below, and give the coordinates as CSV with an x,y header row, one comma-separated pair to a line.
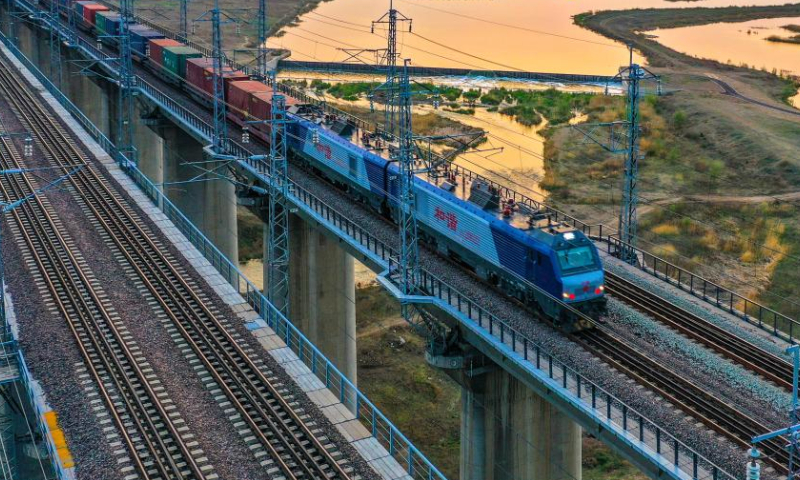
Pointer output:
x,y
525,401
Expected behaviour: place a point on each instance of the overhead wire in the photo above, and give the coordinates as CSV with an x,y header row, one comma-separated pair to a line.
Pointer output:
x,y
517,27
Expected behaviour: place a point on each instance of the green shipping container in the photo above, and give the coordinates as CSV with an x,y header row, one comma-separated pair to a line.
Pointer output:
x,y
175,59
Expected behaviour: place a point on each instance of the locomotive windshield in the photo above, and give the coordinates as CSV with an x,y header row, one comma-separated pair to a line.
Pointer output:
x,y
575,259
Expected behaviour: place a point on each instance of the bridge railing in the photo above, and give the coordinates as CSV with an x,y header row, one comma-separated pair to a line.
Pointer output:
x,y
593,399
382,429
755,313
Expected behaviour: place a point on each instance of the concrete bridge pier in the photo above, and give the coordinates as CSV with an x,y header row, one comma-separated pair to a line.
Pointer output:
x,y
150,151
322,294
208,200
507,430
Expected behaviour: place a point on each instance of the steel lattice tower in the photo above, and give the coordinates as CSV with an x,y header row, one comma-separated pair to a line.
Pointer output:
x,y
409,241
55,44
220,123
127,84
261,50
628,221
278,246
391,18
183,31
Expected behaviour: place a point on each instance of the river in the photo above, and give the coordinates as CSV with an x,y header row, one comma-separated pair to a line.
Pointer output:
x,y
533,35
744,43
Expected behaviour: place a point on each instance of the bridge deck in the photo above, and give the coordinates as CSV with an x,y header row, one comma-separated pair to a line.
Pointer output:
x,y
375,251
53,368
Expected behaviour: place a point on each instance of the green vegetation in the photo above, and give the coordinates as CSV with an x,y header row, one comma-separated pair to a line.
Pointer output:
x,y
600,463
422,401
530,106
251,235
759,239
777,38
352,90
472,96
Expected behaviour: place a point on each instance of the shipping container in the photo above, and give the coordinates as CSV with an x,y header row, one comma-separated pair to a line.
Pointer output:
x,y
90,10
78,6
200,74
107,23
157,46
174,60
239,95
139,38
261,109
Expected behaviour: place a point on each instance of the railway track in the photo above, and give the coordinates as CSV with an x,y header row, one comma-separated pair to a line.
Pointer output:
x,y
769,366
156,447
696,401
294,449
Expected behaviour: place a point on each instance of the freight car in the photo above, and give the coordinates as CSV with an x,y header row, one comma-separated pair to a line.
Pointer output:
x,y
512,246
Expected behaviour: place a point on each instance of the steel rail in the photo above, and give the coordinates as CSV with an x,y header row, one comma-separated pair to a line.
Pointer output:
x,y
89,321
713,412
167,285
769,366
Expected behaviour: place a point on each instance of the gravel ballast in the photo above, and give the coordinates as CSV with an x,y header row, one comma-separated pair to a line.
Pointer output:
x,y
723,452
215,433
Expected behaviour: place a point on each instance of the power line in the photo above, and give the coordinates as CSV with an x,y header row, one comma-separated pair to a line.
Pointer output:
x,y
517,27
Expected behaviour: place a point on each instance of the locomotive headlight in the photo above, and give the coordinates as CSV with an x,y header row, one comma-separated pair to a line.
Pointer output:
x,y
565,295
599,290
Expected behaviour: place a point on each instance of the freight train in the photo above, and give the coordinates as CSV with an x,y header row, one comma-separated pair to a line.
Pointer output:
x,y
508,244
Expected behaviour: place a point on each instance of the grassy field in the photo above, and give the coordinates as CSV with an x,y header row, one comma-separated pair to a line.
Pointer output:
x,y
711,162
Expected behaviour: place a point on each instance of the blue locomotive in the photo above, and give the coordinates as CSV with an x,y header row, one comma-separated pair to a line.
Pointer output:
x,y
507,244
517,249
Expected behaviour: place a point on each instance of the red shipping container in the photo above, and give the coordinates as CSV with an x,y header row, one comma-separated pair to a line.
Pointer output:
x,y
239,95
157,48
90,11
261,108
200,74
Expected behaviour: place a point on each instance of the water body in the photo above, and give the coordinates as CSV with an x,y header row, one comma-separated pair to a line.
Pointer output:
x,y
533,35
744,43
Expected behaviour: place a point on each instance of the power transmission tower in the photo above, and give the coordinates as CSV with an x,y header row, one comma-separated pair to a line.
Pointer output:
x,y
409,242
261,49
624,137
183,27
391,18
127,84
278,247
55,44
628,219
220,136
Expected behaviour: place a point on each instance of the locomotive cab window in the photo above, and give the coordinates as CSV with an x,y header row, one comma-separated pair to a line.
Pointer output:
x,y
573,260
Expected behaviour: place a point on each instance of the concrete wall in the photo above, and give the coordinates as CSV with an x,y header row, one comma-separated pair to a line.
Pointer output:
x,y
322,294
509,432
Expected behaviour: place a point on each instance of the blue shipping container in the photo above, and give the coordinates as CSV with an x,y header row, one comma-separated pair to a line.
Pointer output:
x,y
139,37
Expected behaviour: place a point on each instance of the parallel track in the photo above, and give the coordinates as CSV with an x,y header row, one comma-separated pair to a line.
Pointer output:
x,y
696,401
297,451
769,366
154,443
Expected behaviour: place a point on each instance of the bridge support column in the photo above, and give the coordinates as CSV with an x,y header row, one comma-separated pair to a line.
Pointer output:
x,y
150,150
207,199
508,431
322,294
